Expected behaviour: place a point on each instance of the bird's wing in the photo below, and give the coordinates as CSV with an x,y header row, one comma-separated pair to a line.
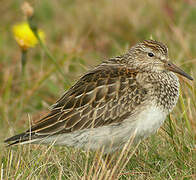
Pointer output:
x,y
105,95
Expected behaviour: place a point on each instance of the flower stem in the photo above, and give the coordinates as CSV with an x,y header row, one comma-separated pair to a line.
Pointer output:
x,y
23,79
23,61
46,50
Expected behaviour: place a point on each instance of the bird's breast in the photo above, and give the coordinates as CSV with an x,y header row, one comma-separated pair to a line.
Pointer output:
x,y
165,90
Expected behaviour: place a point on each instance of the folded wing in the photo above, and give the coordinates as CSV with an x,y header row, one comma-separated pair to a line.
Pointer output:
x,y
106,95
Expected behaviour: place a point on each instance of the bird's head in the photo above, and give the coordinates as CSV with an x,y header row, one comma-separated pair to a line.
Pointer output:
x,y
153,56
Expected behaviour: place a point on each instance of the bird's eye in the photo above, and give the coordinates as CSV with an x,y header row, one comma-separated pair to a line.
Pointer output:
x,y
150,54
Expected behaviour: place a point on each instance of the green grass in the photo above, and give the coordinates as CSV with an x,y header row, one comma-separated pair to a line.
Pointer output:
x,y
80,34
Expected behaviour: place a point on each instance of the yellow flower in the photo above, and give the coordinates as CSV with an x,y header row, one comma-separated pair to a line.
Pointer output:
x,y
24,35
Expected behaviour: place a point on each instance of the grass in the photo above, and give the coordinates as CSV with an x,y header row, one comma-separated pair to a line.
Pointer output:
x,y
80,34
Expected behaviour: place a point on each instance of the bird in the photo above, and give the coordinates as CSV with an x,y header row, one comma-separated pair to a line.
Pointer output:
x,y
124,96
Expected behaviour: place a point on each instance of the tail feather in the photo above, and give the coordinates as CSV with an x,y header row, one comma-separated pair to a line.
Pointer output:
x,y
14,138
30,135
13,143
20,138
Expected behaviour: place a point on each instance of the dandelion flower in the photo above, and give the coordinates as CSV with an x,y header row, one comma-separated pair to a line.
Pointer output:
x,y
24,35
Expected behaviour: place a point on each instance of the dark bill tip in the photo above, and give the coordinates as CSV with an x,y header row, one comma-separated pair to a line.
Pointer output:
x,y
172,67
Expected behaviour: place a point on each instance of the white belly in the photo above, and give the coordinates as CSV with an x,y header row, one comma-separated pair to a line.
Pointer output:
x,y
149,121
142,124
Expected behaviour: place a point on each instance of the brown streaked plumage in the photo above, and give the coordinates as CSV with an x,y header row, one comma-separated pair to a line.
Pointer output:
x,y
128,94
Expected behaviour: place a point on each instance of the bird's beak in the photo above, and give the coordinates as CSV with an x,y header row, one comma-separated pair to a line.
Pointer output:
x,y
171,67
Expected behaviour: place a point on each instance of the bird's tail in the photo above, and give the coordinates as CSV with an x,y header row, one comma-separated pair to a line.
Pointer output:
x,y
22,138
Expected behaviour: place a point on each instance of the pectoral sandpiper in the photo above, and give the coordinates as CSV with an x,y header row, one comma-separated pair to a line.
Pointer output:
x,y
131,93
